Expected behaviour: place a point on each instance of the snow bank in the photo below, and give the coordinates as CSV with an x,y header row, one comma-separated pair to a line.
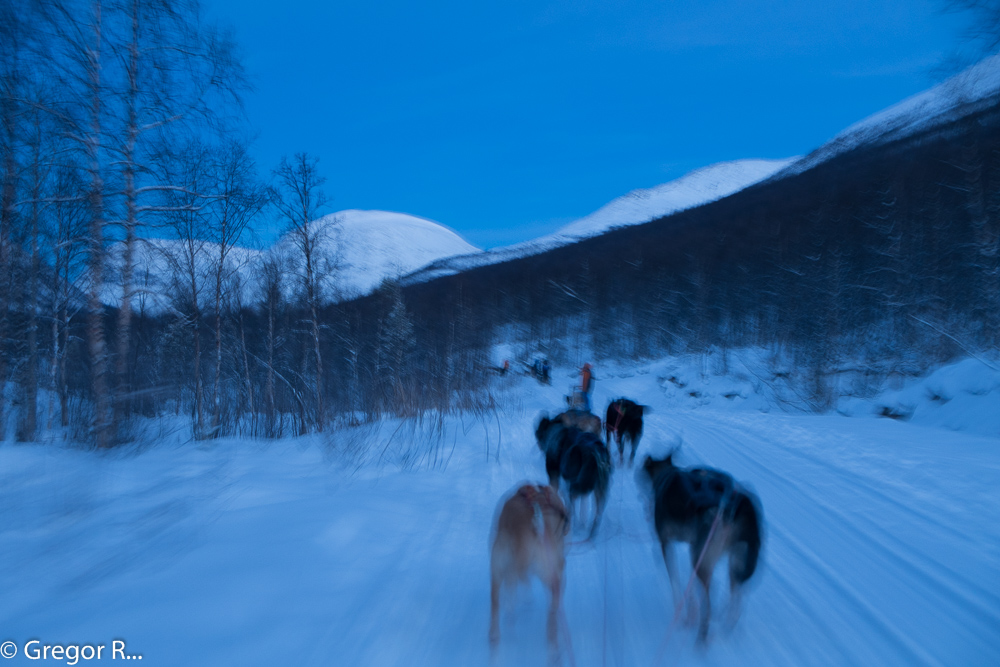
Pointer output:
x,y
963,396
960,396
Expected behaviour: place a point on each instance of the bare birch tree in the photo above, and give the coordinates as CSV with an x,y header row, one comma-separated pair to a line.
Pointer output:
x,y
69,218
299,197
173,68
187,211
13,28
79,70
241,196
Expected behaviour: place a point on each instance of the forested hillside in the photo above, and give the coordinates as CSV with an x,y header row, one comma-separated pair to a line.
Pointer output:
x,y
882,259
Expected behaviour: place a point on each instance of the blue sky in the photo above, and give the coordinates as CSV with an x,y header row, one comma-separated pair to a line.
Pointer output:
x,y
506,120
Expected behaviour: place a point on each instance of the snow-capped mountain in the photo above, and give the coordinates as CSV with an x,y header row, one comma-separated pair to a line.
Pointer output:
x,y
365,247
975,89
693,189
357,250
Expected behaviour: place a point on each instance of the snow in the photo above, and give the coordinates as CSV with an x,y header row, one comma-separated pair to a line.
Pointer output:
x,y
161,268
369,546
374,245
963,397
695,188
972,90
358,250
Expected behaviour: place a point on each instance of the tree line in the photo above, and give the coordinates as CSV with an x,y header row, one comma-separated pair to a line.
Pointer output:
x,y
123,154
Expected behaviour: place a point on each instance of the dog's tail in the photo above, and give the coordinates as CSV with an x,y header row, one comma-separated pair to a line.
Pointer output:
x,y
748,520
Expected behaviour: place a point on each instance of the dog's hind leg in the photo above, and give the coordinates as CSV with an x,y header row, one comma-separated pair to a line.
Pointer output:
x,y
705,577
572,511
735,607
667,549
552,469
552,628
600,500
737,568
494,611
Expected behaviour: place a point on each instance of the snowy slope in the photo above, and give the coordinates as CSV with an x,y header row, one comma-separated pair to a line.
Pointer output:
x,y
162,269
972,90
357,249
370,548
693,189
369,246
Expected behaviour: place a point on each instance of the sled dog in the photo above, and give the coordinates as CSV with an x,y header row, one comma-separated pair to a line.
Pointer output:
x,y
686,505
580,459
529,539
581,419
624,421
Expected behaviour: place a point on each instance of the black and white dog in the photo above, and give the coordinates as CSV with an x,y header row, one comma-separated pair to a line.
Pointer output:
x,y
579,458
624,420
695,504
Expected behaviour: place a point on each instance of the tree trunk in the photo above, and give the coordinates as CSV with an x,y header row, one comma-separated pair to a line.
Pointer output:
x,y
123,405
199,391
270,365
216,398
250,404
95,317
29,430
311,296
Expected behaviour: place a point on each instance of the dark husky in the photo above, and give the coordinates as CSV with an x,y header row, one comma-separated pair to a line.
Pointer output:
x,y
580,458
686,504
624,420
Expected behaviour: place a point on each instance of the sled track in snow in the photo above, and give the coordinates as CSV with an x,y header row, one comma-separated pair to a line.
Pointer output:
x,y
971,610
955,584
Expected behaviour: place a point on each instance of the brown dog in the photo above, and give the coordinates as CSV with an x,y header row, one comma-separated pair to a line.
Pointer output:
x,y
529,540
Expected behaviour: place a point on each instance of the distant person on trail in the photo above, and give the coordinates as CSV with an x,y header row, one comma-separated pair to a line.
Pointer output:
x,y
586,384
506,367
545,371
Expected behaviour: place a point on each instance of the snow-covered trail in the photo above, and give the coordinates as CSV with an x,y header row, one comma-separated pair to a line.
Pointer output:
x,y
882,547
882,537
